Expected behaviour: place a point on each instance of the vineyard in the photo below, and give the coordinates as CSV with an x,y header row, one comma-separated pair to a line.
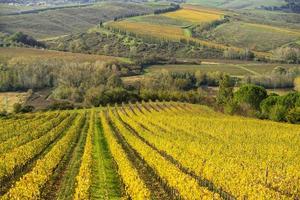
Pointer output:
x,y
195,16
174,26
154,150
8,54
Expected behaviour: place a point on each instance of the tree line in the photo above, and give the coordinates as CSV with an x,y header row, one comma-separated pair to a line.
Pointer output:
x,y
95,84
252,100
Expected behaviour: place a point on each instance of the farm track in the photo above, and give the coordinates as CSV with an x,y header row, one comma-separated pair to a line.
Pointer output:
x,y
62,185
248,70
105,181
201,181
7,183
159,189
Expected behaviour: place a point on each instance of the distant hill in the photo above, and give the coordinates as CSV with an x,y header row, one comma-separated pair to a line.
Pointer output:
x,y
290,6
238,4
46,1
46,22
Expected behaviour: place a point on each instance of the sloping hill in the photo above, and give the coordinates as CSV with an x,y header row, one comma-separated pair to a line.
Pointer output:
x,y
238,4
50,23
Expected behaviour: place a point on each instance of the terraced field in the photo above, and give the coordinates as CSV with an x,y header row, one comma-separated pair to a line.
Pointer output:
x,y
147,151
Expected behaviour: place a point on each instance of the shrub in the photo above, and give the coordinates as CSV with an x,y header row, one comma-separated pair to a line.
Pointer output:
x,y
267,104
290,100
293,115
27,109
297,84
20,37
231,107
17,107
278,113
225,93
61,106
287,54
3,113
250,94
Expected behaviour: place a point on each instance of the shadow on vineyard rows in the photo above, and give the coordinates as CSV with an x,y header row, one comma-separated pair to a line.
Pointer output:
x,y
21,170
159,189
62,183
202,181
155,150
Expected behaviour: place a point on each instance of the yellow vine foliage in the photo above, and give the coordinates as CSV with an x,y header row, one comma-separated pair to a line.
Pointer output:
x,y
194,16
84,178
29,186
134,185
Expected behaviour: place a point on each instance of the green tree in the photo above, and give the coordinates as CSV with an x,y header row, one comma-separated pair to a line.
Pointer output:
x,y
267,104
225,94
250,94
17,107
293,115
114,81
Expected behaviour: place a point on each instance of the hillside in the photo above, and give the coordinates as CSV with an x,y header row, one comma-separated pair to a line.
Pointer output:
x,y
238,4
214,29
66,20
149,150
8,54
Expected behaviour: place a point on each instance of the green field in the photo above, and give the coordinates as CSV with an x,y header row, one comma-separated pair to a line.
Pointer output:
x,y
8,9
273,18
253,36
232,68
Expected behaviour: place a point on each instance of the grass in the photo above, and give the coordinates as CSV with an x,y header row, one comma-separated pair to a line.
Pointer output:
x,y
67,177
8,99
273,18
105,182
230,69
7,54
